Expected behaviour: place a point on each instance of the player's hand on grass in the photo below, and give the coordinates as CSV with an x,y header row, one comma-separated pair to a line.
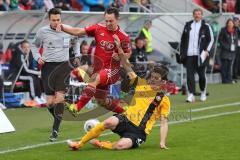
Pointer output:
x,y
163,146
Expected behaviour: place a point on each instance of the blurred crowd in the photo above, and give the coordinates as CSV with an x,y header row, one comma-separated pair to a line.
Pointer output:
x,y
214,5
70,5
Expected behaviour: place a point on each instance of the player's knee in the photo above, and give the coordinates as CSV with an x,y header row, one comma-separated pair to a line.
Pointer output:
x,y
120,146
59,98
111,123
108,124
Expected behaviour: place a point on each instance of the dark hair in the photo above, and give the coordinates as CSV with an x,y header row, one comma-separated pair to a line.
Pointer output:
x,y
54,11
229,20
198,10
112,10
84,43
162,70
137,39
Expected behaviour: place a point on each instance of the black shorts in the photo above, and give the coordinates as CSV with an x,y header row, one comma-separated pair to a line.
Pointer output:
x,y
55,76
126,129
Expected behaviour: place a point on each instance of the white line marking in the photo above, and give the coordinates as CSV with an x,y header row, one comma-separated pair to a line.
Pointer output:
x,y
109,133
217,106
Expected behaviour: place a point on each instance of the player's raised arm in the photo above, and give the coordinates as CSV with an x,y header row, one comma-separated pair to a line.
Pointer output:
x,y
71,30
127,66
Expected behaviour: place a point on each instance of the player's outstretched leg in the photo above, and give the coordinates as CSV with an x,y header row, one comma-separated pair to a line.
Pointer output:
x,y
109,123
102,144
93,133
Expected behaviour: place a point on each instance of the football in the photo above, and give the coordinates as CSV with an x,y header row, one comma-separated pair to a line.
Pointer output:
x,y
89,124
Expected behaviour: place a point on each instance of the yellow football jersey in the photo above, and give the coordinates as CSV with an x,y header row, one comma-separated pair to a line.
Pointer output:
x,y
147,106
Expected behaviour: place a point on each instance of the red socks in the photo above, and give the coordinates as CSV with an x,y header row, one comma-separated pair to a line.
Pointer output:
x,y
87,94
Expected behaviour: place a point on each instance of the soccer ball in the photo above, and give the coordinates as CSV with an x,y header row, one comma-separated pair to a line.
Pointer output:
x,y
89,124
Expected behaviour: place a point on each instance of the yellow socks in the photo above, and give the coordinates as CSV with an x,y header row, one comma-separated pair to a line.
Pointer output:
x,y
93,133
107,145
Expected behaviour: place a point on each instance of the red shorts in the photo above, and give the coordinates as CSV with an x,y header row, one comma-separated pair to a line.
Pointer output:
x,y
107,77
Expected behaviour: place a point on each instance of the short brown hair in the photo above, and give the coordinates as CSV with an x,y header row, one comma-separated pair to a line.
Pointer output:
x,y
112,10
54,11
198,10
162,70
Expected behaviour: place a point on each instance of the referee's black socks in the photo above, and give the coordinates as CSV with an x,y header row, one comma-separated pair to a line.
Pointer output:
x,y
51,110
58,114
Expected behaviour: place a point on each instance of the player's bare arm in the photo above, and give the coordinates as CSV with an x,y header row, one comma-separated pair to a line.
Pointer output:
x,y
119,47
127,65
163,132
71,30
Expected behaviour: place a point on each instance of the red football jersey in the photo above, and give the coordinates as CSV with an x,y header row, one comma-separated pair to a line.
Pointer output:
x,y
105,45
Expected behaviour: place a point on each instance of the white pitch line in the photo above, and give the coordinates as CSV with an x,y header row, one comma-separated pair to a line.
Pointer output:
x,y
216,106
109,133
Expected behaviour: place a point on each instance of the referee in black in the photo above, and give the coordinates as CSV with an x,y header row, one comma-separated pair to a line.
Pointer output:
x,y
55,67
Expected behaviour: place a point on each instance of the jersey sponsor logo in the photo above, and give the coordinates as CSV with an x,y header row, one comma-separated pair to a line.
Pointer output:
x,y
101,34
108,46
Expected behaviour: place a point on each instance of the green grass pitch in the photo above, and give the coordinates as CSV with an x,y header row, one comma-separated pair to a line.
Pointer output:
x,y
212,134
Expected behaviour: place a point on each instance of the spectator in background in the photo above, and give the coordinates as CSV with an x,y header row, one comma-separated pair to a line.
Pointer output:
x,y
76,5
23,62
146,4
26,5
62,4
147,36
39,4
224,6
116,4
1,54
122,5
91,51
95,5
228,39
48,4
4,5
236,65
211,5
139,52
197,39
74,52
229,5
8,54
14,5
237,7
86,58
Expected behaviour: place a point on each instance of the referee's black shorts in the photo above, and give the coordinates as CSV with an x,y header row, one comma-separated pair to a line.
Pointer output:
x,y
126,129
55,76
